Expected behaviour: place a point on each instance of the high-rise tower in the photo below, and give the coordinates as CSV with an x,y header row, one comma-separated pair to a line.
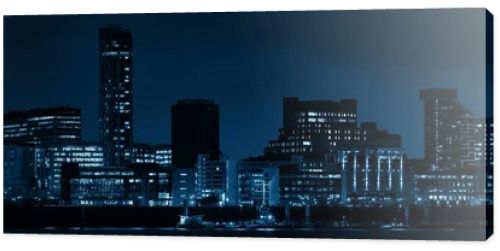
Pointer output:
x,y
115,94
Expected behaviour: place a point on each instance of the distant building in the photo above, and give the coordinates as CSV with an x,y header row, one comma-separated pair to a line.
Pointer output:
x,y
453,138
18,172
56,124
158,154
313,129
49,158
258,183
216,182
136,185
195,130
115,94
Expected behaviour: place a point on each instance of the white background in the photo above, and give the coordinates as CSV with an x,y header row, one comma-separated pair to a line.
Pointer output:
x,y
144,243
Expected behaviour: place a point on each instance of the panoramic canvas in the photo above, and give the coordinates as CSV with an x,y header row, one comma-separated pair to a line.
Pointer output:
x,y
317,124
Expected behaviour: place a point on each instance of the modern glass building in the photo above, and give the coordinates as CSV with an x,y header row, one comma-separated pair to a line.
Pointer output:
x,y
115,94
55,124
49,158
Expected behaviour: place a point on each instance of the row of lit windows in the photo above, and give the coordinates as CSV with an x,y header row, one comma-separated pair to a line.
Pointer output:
x,y
329,114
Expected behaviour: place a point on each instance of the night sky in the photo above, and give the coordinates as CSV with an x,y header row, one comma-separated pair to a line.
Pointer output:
x,y
247,62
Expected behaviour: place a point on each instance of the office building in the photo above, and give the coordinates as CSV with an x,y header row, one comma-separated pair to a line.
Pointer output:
x,y
372,176
310,183
49,158
453,137
258,183
135,185
55,124
115,94
216,182
313,129
158,154
453,187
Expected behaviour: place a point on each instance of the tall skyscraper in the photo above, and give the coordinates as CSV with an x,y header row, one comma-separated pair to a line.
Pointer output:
x,y
195,130
115,94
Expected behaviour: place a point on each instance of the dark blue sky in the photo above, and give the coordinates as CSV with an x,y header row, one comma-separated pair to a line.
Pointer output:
x,y
248,62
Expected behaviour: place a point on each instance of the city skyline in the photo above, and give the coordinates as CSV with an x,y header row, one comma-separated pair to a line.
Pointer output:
x,y
257,126
326,168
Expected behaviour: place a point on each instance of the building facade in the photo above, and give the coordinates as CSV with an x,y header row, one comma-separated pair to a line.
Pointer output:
x,y
115,94
313,129
372,176
216,182
135,185
49,158
56,124
158,154
459,187
310,183
258,183
453,137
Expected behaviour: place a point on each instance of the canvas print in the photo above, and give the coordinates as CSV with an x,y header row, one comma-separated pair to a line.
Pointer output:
x,y
317,124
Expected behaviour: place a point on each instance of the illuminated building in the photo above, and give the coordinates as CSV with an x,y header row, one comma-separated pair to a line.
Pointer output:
x,y
50,157
258,183
216,182
454,138
450,187
372,175
195,130
115,94
135,185
57,124
458,152
310,183
313,129
159,154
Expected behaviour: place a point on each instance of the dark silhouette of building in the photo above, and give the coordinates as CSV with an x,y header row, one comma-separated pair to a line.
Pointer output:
x,y
55,124
115,93
195,130
18,172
